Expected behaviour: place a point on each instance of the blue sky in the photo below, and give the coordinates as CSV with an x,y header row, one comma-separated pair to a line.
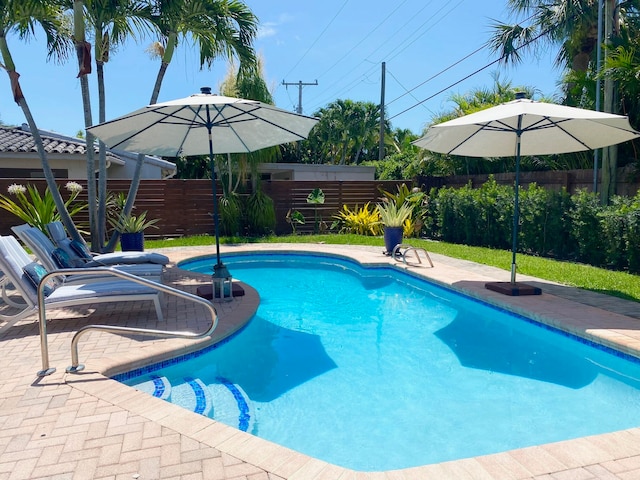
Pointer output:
x,y
339,43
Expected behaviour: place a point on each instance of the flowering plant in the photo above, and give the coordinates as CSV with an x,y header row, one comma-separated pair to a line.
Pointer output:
x,y
36,209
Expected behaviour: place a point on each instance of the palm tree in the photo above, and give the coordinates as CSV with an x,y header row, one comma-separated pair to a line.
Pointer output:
x,y
220,28
83,54
571,25
247,83
347,133
113,22
21,17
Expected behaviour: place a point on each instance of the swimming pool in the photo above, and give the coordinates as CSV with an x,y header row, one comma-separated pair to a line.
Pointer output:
x,y
374,369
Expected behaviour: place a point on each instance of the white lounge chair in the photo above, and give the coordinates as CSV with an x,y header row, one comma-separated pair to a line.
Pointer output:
x,y
54,258
80,251
20,271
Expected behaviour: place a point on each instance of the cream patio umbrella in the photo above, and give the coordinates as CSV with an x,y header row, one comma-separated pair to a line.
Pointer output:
x,y
525,127
204,124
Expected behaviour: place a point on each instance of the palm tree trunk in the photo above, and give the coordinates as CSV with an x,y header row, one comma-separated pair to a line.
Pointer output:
x,y
102,161
83,52
46,168
135,181
609,154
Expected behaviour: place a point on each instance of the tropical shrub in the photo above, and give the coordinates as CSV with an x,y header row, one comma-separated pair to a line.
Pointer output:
x,y
38,210
295,218
230,215
260,214
360,221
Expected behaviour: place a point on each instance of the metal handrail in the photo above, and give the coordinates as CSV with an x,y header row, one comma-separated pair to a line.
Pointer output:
x,y
75,366
409,248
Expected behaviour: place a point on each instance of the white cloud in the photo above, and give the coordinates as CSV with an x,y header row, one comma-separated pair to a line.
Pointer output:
x,y
267,30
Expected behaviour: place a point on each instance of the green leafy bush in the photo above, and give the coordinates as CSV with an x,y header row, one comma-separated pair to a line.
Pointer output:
x,y
552,223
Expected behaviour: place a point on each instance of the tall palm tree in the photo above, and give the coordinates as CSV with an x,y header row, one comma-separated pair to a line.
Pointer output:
x,y
21,17
571,25
219,28
249,83
83,54
113,22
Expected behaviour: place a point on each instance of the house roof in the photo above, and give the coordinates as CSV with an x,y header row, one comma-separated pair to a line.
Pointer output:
x,y
20,140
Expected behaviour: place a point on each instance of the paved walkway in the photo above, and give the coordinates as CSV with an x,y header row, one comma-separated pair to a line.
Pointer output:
x,y
88,426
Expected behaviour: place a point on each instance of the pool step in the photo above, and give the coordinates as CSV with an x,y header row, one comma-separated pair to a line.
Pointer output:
x,y
193,395
156,386
231,405
222,400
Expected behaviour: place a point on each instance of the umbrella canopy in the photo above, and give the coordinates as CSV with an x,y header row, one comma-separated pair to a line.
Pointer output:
x,y
182,127
204,124
543,129
525,127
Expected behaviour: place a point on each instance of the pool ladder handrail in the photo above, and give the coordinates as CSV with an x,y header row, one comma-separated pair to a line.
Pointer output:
x,y
75,365
397,252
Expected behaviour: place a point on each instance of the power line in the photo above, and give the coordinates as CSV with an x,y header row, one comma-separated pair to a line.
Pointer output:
x,y
318,37
537,37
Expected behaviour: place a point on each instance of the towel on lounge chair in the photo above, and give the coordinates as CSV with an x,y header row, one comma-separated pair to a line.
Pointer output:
x,y
78,250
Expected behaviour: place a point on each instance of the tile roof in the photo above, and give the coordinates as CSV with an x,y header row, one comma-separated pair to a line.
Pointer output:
x,y
18,140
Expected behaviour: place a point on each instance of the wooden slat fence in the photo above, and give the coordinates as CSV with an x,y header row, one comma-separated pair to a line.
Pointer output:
x,y
184,207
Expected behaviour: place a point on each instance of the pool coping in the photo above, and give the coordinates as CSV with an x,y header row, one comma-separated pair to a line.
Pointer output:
x,y
587,453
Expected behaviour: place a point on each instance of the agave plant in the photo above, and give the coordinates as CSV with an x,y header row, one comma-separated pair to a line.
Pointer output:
x,y
134,223
393,214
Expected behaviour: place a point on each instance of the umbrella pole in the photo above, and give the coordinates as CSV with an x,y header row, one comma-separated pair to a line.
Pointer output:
x,y
516,206
212,165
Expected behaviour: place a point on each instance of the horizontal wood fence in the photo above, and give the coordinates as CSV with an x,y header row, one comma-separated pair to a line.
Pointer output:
x,y
572,180
185,207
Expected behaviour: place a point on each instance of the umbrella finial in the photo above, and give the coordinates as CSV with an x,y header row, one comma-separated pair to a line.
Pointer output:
x,y
205,90
521,95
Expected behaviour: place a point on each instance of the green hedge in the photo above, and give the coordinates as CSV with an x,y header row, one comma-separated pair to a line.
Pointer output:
x,y
552,224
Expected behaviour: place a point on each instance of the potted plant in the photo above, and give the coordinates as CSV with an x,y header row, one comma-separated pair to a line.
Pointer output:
x,y
393,216
131,229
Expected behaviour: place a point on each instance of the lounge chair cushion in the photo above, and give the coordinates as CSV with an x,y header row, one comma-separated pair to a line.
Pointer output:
x,y
35,273
62,259
80,249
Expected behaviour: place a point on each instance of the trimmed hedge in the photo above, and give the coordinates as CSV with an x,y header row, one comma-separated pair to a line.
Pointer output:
x,y
552,223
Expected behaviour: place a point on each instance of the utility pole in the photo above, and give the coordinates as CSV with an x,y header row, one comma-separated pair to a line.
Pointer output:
x,y
300,85
381,144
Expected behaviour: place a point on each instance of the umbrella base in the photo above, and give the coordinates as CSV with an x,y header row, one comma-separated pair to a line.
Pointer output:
x,y
206,291
512,289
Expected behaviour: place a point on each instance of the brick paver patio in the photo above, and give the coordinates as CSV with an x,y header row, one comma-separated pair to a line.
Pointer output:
x,y
88,426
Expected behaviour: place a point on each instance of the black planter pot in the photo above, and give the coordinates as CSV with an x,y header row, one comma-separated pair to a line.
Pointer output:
x,y
132,242
392,237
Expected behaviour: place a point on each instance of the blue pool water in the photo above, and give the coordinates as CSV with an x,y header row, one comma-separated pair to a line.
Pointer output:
x,y
373,369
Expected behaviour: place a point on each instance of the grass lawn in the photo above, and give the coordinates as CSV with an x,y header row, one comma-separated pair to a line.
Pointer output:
x,y
618,284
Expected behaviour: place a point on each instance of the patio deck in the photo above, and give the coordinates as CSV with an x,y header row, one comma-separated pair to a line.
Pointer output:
x,y
88,426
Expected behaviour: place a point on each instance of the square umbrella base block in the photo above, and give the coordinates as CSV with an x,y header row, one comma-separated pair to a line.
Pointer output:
x,y
512,289
206,291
